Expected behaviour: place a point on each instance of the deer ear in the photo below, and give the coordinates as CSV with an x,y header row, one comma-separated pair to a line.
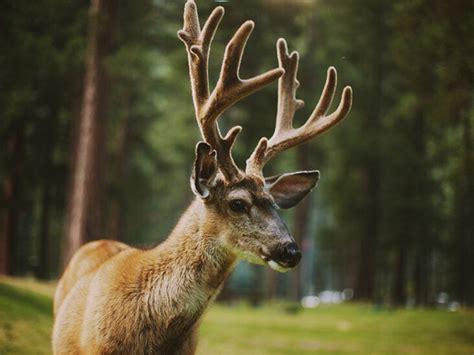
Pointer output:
x,y
289,189
204,171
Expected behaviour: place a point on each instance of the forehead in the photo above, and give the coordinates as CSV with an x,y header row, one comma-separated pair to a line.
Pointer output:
x,y
249,188
240,193
249,183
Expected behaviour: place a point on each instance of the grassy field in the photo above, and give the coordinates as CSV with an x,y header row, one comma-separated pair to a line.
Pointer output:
x,y
25,320
25,326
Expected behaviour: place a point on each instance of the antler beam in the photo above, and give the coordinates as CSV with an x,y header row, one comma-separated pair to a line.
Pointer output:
x,y
230,88
285,136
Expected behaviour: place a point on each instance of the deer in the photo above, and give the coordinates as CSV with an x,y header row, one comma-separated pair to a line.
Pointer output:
x,y
117,299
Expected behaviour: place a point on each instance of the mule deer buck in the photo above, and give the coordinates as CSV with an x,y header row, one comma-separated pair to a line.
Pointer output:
x,y
116,299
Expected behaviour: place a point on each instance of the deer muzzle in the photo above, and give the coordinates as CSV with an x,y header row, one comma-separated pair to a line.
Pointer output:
x,y
285,257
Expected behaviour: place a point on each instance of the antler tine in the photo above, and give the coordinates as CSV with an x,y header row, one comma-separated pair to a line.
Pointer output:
x,y
229,89
230,79
287,86
287,105
285,136
198,44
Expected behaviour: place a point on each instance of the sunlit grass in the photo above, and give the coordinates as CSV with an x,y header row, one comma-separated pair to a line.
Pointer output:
x,y
336,329
25,328
29,283
25,321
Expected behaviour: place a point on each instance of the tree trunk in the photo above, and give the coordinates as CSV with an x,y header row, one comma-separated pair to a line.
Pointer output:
x,y
271,284
11,198
399,296
365,279
116,225
469,221
420,223
85,201
301,219
465,218
44,245
304,160
372,171
421,276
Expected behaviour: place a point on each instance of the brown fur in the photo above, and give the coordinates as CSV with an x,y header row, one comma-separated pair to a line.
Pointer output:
x,y
117,299
86,260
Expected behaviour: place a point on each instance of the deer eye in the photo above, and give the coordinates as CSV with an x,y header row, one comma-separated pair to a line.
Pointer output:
x,y
239,206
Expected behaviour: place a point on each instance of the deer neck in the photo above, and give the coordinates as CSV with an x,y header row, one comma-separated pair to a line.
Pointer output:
x,y
193,262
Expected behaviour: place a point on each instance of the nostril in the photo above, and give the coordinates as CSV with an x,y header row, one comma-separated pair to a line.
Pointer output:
x,y
295,254
292,254
292,250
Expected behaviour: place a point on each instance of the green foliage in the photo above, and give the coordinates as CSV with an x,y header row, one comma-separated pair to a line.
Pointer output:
x,y
400,58
41,63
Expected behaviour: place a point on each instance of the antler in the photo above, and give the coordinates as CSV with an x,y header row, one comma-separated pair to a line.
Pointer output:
x,y
285,136
229,89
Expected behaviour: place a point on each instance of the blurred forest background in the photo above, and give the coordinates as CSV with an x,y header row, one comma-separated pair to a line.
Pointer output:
x,y
393,216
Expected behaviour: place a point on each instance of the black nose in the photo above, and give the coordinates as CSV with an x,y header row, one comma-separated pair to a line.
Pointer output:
x,y
291,255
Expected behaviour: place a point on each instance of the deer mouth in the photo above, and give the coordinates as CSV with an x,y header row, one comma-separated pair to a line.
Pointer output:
x,y
275,265
282,258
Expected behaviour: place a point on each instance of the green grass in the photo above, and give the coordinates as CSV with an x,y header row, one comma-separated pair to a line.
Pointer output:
x,y
25,321
344,329
25,328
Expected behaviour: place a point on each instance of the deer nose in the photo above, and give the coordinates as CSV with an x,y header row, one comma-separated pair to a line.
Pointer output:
x,y
291,255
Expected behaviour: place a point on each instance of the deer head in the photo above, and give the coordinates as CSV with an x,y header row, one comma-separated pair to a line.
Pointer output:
x,y
246,201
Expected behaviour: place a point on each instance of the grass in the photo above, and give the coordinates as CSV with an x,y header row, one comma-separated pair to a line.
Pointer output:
x,y
25,328
25,321
344,329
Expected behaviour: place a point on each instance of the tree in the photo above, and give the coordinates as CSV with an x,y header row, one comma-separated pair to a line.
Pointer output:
x,y
38,66
11,190
85,201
